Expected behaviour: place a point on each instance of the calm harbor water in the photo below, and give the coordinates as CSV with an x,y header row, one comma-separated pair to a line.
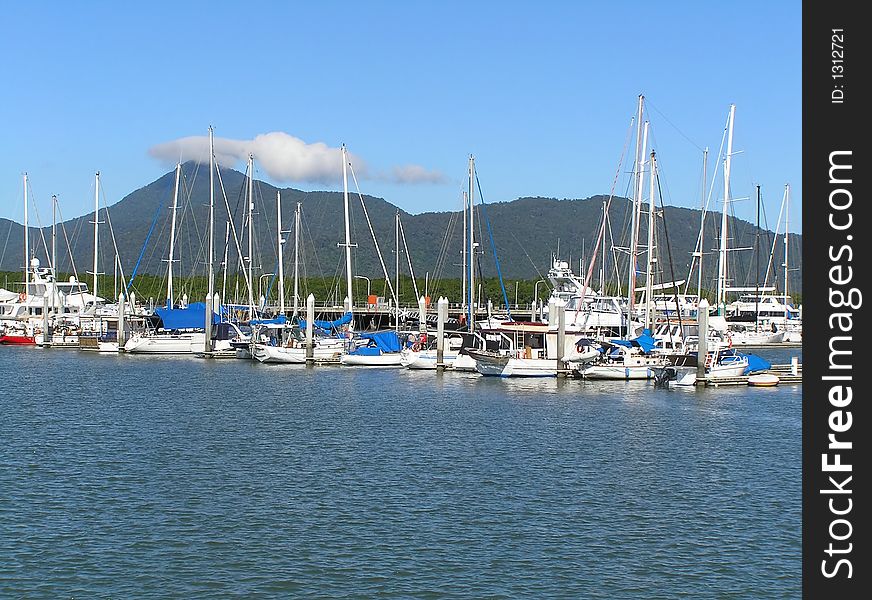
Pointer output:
x,y
131,477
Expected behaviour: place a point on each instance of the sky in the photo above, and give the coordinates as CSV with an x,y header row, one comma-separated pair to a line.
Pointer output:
x,y
542,94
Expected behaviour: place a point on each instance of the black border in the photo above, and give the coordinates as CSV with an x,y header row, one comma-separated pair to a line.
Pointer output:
x,y
829,127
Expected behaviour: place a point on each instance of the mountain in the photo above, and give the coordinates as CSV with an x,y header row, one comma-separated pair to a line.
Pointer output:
x,y
526,232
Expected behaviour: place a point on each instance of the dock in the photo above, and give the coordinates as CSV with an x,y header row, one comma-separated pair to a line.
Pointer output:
x,y
786,375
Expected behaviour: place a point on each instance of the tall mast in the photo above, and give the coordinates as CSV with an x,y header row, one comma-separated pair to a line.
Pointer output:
x,y
757,266
602,254
347,229
54,237
224,263
472,294
649,270
250,236
54,253
170,258
96,228
465,248
280,243
210,259
297,259
641,146
786,234
397,270
702,222
26,239
722,258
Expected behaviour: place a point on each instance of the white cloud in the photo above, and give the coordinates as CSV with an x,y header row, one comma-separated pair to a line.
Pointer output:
x,y
416,174
284,158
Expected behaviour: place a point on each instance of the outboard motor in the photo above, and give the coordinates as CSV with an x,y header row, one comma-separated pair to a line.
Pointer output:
x,y
663,376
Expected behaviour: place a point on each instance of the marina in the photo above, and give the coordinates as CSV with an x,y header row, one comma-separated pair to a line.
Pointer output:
x,y
407,301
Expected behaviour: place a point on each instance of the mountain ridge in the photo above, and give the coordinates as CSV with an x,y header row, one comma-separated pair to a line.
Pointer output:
x,y
526,232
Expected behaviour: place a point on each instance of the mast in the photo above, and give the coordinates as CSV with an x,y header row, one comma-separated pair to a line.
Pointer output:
x,y
757,267
170,258
280,243
250,236
54,236
210,258
347,229
786,234
297,259
26,240
463,253
649,270
702,223
224,263
96,228
722,258
471,321
641,146
397,271
603,254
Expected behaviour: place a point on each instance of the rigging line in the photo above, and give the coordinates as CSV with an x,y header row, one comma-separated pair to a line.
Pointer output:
x,y
493,245
409,259
374,240
233,227
69,250
6,243
669,252
698,248
605,221
524,250
147,237
685,136
114,245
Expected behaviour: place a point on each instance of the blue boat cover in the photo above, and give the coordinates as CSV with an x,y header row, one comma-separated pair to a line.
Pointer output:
x,y
191,317
279,320
756,364
328,325
644,341
386,341
366,351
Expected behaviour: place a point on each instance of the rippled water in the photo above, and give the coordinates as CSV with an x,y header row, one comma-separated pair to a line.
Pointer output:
x,y
124,476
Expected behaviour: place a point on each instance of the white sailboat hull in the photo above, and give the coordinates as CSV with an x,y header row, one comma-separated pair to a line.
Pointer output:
x,y
280,354
181,343
386,359
426,359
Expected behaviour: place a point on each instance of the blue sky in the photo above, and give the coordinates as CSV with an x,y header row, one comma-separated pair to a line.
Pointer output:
x,y
541,93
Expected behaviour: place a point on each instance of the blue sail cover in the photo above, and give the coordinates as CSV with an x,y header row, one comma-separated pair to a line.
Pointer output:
x,y
386,341
756,364
191,317
328,325
279,320
644,341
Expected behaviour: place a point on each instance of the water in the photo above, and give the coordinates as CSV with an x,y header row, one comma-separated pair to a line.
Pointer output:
x,y
124,476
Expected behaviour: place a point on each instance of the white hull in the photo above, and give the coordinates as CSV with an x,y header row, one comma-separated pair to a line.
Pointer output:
x,y
753,338
57,340
464,362
181,343
620,372
388,359
505,366
726,370
295,356
426,359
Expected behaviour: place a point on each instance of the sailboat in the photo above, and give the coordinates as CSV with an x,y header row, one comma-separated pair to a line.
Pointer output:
x,y
277,341
171,330
632,357
46,312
